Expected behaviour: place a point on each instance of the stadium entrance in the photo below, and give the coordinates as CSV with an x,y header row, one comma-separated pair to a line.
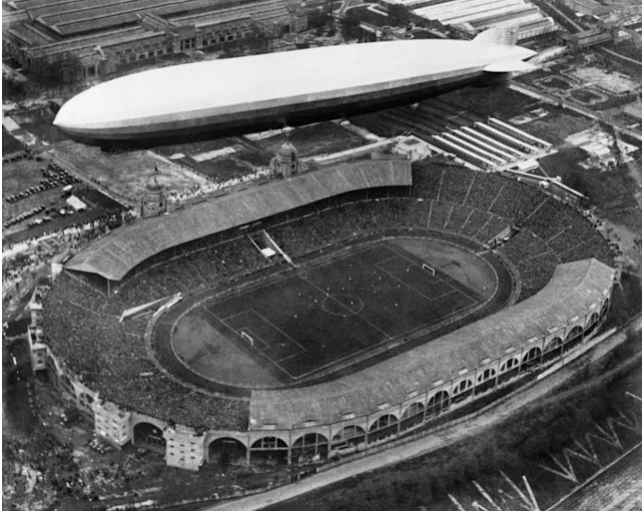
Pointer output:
x,y
226,452
149,436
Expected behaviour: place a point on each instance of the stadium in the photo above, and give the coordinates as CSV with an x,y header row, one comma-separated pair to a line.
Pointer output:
x,y
313,317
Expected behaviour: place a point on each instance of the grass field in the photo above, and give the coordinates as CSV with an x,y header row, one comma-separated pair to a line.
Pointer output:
x,y
315,139
243,159
323,314
491,101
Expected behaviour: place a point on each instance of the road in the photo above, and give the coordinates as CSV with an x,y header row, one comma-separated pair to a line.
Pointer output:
x,y
421,446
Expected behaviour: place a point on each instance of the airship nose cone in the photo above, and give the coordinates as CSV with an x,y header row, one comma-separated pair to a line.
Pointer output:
x,y
71,116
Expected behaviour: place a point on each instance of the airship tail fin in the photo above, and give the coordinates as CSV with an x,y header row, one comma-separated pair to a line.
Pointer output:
x,y
498,35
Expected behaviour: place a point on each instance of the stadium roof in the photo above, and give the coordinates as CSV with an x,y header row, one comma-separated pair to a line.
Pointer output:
x,y
114,255
573,290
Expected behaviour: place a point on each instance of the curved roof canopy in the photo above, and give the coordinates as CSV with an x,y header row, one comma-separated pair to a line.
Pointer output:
x,y
114,255
574,290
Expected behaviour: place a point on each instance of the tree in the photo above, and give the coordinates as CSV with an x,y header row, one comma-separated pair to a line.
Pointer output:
x,y
349,25
398,15
13,87
59,72
318,19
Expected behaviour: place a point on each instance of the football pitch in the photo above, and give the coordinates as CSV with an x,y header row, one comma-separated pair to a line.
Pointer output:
x,y
319,315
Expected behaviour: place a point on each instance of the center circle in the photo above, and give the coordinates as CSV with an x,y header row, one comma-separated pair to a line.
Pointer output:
x,y
342,305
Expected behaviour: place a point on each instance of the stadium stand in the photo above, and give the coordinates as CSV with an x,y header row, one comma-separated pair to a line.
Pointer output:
x,y
113,257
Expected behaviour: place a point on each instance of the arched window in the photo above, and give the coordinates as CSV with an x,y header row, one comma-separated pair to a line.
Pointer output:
x,y
349,435
86,398
553,344
605,307
383,427
413,409
486,375
509,364
438,403
574,338
412,416
270,443
383,422
531,358
575,332
310,447
462,386
553,349
269,450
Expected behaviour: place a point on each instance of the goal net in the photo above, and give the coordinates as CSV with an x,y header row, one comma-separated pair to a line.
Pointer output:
x,y
428,268
248,338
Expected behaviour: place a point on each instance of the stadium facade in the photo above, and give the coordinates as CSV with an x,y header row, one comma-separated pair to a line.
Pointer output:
x,y
555,321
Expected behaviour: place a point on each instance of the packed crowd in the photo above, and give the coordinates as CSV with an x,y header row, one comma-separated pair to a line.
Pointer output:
x,y
49,461
551,232
112,358
204,266
84,317
176,197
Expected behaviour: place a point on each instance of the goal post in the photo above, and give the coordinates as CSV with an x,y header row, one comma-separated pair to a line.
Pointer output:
x,y
428,268
248,338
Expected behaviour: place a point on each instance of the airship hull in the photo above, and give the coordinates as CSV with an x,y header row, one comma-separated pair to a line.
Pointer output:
x,y
274,90
254,120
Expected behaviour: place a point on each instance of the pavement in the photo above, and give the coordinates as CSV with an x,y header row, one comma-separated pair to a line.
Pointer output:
x,y
418,447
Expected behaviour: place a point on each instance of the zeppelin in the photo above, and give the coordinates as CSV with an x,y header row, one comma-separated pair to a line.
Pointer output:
x,y
258,92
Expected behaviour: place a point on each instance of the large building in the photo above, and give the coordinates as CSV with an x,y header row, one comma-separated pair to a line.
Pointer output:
x,y
556,298
99,40
470,17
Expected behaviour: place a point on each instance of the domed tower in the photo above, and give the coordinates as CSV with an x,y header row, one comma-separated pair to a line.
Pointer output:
x,y
153,202
286,161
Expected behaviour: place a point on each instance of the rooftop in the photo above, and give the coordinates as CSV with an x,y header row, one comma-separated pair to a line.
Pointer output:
x,y
114,255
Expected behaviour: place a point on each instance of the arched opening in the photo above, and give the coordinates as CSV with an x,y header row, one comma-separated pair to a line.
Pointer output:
x,y
485,380
412,416
437,404
592,319
508,369
531,358
309,448
462,390
350,435
86,398
605,308
149,435
592,325
553,349
269,450
67,384
85,404
573,339
382,428
226,452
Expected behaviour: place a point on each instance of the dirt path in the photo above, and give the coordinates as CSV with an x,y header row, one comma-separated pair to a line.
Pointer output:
x,y
420,446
